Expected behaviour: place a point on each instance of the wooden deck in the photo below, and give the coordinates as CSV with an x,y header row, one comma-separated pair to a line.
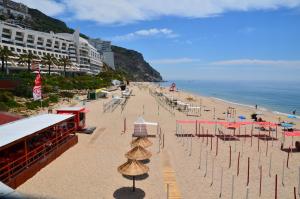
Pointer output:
x,y
169,178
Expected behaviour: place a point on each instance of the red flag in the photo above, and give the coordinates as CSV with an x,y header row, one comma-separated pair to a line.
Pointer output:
x,y
37,89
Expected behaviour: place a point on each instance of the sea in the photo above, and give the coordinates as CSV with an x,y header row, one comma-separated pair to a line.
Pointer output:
x,y
275,96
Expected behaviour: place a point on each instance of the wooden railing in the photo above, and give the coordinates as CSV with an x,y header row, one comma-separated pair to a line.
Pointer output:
x,y
12,169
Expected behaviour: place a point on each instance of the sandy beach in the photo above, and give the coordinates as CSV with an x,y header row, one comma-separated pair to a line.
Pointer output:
x,y
89,169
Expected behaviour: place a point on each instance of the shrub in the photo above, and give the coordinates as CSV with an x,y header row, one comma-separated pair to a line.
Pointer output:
x,y
3,106
67,94
33,105
13,104
6,96
53,98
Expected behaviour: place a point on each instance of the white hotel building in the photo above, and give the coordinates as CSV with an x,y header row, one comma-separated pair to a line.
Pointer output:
x,y
82,54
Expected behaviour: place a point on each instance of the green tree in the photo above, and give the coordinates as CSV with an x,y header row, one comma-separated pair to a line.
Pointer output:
x,y
48,60
5,54
27,58
65,61
105,67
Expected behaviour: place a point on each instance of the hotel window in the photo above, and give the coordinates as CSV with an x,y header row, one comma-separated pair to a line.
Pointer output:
x,y
24,51
56,44
19,38
6,30
40,41
49,43
18,50
30,39
12,49
19,34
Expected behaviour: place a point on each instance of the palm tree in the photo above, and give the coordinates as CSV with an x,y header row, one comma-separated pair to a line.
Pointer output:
x,y
48,60
5,53
27,58
65,61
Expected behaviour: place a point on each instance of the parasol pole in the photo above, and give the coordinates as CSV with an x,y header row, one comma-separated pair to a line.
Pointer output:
x,y
282,180
133,186
260,180
276,186
221,184
299,183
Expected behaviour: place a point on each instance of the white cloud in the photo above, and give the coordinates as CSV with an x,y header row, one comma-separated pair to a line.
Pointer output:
x,y
153,32
174,61
253,62
127,11
49,7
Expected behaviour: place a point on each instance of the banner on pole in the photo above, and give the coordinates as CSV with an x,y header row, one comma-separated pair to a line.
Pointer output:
x,y
37,89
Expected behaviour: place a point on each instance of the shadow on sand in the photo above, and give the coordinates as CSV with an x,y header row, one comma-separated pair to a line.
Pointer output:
x,y
228,138
146,161
140,177
127,193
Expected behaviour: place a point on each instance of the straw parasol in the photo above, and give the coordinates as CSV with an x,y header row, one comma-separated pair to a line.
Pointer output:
x,y
141,141
138,153
133,168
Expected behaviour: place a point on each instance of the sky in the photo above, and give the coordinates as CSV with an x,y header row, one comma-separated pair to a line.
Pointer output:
x,y
195,39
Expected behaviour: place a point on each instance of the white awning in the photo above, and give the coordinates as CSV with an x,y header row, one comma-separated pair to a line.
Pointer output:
x,y
141,120
71,108
7,192
16,130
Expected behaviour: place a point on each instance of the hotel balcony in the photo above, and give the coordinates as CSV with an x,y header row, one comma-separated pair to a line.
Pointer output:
x,y
6,36
30,41
19,39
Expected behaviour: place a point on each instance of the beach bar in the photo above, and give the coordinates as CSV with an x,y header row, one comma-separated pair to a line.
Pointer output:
x,y
29,144
79,115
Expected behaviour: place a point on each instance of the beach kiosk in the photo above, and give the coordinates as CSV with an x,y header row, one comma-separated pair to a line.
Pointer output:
x,y
98,93
79,115
27,145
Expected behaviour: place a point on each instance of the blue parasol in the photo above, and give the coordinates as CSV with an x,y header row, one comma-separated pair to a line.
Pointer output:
x,y
292,116
242,117
287,125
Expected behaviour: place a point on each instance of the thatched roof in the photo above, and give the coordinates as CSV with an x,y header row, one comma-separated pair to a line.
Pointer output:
x,y
138,153
141,141
133,168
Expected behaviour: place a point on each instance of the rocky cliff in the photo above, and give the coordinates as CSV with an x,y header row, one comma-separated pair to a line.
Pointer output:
x,y
134,65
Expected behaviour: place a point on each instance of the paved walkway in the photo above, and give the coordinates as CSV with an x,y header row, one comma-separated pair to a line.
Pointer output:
x,y
169,177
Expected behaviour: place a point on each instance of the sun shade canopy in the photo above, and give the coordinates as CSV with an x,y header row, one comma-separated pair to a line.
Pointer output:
x,y
138,153
72,108
141,141
133,168
292,133
141,120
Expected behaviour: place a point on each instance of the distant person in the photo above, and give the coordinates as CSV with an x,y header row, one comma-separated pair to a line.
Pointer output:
x,y
294,112
255,106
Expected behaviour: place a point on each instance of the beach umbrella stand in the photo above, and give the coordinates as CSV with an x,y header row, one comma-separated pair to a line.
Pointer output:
x,y
133,168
